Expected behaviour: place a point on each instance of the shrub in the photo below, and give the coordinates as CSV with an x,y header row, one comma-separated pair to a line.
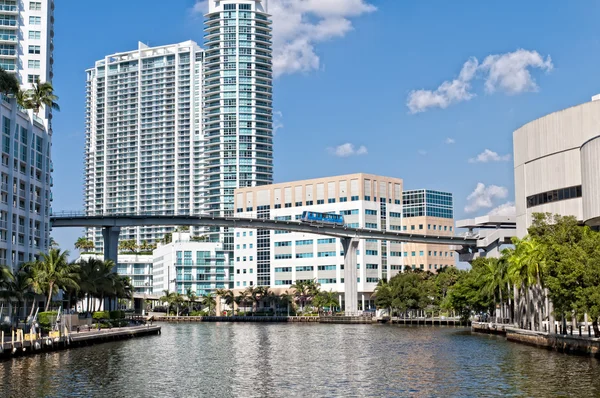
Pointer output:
x,y
45,318
101,315
117,314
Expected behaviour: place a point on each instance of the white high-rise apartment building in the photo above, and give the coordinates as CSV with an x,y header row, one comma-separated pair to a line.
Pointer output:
x,y
26,46
143,136
237,116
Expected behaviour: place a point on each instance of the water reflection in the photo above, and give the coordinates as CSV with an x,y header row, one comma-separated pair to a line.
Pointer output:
x,y
272,360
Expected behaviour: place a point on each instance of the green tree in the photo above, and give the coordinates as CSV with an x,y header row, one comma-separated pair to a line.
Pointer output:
x,y
227,296
53,271
192,297
383,295
83,244
208,300
9,85
128,246
6,276
42,94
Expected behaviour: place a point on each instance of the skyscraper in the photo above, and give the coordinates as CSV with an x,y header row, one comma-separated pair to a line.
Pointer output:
x,y
143,136
26,47
237,113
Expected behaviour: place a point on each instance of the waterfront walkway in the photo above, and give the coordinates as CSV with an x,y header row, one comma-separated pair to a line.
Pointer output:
x,y
19,343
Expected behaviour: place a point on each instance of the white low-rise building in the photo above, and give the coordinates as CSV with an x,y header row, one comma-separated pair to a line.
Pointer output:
x,y
186,264
137,267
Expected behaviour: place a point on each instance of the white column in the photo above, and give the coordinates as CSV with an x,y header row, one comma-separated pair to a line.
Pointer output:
x,y
350,245
363,301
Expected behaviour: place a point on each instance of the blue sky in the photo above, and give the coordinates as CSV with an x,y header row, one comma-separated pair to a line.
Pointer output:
x,y
346,71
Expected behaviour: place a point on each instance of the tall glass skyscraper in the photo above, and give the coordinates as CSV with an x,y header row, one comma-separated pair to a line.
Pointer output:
x,y
237,113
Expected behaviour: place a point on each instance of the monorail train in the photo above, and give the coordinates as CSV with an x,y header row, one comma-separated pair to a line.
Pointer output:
x,y
326,218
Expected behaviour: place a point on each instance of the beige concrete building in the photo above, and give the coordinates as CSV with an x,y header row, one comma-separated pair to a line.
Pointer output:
x,y
557,163
278,259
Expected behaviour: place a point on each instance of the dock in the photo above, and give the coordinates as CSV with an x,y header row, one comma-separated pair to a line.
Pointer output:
x,y
20,344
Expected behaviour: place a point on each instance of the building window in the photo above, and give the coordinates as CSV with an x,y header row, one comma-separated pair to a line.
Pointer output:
x,y
33,63
35,34
320,201
554,196
33,79
35,20
34,50
35,6
331,200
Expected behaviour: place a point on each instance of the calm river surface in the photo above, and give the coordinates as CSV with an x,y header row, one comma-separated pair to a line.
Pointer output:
x,y
308,360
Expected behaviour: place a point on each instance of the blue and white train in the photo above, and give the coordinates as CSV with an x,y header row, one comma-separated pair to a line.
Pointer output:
x,y
325,218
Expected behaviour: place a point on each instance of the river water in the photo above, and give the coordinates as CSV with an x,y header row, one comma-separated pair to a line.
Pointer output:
x,y
302,360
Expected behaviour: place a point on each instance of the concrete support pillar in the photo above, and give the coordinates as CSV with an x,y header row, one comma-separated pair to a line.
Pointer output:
x,y
340,300
362,296
350,245
111,244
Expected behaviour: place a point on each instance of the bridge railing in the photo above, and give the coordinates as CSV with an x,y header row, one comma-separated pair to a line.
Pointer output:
x,y
67,213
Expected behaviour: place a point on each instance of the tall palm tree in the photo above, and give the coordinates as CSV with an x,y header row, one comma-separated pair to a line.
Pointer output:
x,y
192,297
6,276
287,299
242,299
169,298
21,287
42,94
53,271
208,300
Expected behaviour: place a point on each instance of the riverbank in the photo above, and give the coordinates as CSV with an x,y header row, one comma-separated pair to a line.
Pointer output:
x,y
336,319
568,344
21,344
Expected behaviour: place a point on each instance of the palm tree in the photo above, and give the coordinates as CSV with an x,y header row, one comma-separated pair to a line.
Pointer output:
x,y
169,298
227,296
192,297
242,299
54,272
42,94
208,300
128,245
6,276
305,291
84,244
21,287
23,99
144,246
286,298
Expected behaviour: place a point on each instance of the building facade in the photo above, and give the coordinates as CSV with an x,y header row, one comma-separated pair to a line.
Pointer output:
x,y
143,136
26,49
137,267
556,165
237,116
279,259
186,264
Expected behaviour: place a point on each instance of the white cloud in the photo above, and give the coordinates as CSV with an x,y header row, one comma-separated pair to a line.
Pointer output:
x,y
450,141
506,209
489,156
348,149
299,25
483,197
447,93
508,72
277,121
422,152
201,7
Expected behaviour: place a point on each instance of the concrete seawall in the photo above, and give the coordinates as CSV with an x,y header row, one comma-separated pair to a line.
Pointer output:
x,y
578,345
567,344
